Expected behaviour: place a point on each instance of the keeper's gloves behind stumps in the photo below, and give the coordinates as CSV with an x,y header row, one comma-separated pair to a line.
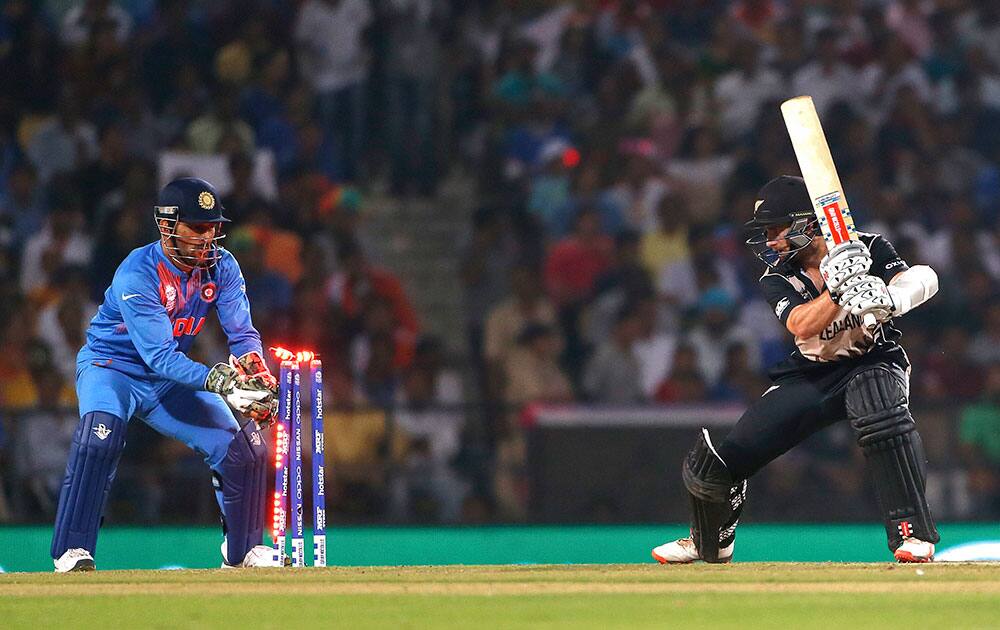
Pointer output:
x,y
252,364
252,396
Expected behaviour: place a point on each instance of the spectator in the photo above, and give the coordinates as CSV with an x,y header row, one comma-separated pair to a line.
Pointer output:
x,y
894,69
668,244
625,280
63,143
634,196
143,132
984,349
244,198
212,131
486,269
359,448
42,438
949,371
359,285
740,382
333,52
63,323
626,270
22,204
717,329
909,20
428,414
105,174
685,383
62,242
979,435
682,281
414,54
533,375
613,374
742,92
549,190
572,268
526,305
704,167
80,22
269,291
827,79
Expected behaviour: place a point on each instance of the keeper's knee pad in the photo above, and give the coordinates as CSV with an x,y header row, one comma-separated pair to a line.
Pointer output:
x,y
876,404
716,499
90,468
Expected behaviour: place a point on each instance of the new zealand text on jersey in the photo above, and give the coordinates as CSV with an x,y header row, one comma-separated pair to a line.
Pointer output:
x,y
840,325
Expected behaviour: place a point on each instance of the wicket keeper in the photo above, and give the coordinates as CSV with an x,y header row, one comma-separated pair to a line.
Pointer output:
x,y
840,369
133,365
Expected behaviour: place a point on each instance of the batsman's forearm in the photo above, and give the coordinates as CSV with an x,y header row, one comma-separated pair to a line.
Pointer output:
x,y
912,288
811,318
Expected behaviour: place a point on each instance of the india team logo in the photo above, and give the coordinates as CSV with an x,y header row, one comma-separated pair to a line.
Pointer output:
x,y
206,200
208,292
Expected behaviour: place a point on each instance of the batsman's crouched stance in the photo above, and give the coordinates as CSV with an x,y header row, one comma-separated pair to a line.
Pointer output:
x,y
134,365
840,370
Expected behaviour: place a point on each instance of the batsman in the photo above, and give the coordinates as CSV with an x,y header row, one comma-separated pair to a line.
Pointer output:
x,y
133,365
847,365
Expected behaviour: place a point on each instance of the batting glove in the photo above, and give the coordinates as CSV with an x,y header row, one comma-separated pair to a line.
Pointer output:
x,y
845,261
868,294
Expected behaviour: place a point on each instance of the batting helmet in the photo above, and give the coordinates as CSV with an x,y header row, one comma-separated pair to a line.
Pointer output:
x,y
783,201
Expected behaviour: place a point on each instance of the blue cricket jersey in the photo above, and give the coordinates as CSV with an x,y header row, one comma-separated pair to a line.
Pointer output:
x,y
153,310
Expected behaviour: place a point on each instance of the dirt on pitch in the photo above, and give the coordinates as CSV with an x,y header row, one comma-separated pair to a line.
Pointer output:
x,y
982,578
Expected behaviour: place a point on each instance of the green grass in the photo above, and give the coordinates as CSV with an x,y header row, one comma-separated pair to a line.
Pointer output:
x,y
581,596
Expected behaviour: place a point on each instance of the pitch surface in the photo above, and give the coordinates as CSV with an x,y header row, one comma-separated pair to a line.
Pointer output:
x,y
588,596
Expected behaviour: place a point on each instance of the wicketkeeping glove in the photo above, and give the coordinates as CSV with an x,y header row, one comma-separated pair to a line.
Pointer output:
x,y
252,396
845,261
252,364
867,294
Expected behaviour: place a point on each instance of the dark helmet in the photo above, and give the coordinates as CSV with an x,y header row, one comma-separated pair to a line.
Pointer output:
x,y
783,201
189,200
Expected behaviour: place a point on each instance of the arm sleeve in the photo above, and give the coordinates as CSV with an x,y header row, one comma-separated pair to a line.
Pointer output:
x,y
886,263
781,295
152,334
233,308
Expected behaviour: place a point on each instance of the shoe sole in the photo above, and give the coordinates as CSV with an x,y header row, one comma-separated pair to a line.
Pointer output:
x,y
83,566
905,557
663,560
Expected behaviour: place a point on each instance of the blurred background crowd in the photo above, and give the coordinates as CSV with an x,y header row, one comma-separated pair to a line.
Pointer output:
x,y
581,169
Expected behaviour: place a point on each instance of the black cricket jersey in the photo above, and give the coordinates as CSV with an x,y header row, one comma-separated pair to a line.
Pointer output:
x,y
846,344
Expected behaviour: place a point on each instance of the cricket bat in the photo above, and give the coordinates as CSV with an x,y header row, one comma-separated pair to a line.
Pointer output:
x,y
820,174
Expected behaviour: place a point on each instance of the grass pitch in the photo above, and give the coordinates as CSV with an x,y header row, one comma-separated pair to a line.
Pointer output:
x,y
564,596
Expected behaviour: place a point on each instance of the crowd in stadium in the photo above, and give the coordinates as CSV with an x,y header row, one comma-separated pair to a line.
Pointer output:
x,y
616,147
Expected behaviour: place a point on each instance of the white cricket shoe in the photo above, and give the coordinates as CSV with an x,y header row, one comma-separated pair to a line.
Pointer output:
x,y
683,551
75,560
258,557
914,550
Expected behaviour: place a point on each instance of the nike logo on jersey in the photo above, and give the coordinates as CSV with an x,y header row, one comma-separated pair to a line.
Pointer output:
x,y
130,296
